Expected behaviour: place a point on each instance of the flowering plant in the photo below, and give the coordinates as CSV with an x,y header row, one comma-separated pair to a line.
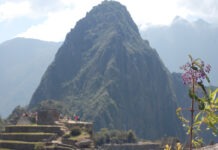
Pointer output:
x,y
195,72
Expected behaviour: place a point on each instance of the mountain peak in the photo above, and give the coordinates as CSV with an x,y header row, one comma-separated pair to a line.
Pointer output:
x,y
109,15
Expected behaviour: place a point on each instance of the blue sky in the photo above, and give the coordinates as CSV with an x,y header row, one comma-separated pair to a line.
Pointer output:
x,y
50,20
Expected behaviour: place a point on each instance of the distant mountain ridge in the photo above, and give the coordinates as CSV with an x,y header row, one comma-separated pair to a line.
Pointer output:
x,y
175,42
22,63
107,73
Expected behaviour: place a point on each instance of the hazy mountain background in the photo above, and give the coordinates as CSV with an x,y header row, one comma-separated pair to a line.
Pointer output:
x,y
173,43
105,72
22,63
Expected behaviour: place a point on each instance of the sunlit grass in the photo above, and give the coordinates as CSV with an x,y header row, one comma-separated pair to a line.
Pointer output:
x,y
32,125
28,133
20,142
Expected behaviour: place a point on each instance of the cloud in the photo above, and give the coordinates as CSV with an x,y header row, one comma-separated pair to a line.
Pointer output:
x,y
62,14
54,28
59,23
153,12
144,14
11,10
47,6
206,9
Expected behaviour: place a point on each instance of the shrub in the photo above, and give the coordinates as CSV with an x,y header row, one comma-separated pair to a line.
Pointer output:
x,y
131,137
39,146
89,131
75,131
67,136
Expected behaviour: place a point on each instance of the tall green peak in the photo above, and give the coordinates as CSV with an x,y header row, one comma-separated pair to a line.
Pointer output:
x,y
107,14
106,73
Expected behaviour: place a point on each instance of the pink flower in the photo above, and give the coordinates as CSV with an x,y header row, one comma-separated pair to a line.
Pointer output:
x,y
193,75
207,69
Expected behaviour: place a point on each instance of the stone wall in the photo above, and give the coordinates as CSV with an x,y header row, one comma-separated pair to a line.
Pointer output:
x,y
25,121
132,147
27,137
17,146
45,129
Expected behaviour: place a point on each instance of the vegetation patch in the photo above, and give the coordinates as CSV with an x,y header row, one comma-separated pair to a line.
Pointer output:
x,y
78,134
105,136
83,135
20,142
39,146
75,131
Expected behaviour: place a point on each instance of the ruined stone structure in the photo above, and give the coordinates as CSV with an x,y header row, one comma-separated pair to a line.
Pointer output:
x,y
50,133
48,117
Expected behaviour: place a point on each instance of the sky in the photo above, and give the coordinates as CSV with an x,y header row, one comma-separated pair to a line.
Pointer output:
x,y
51,20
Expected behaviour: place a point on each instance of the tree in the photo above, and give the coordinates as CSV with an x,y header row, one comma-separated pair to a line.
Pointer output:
x,y
114,136
131,137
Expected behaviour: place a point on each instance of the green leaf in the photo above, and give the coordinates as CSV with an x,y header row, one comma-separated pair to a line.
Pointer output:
x,y
197,64
213,95
194,68
203,88
208,80
196,117
216,100
201,106
190,57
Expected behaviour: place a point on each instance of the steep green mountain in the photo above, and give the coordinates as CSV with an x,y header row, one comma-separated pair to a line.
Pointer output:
x,y
22,63
107,73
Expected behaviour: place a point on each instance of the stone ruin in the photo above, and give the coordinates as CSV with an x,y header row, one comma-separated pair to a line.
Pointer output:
x,y
48,117
43,117
48,130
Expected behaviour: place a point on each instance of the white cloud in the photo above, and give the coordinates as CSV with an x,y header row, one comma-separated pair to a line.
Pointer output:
x,y
11,10
206,9
154,12
58,24
67,2
63,14
54,28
